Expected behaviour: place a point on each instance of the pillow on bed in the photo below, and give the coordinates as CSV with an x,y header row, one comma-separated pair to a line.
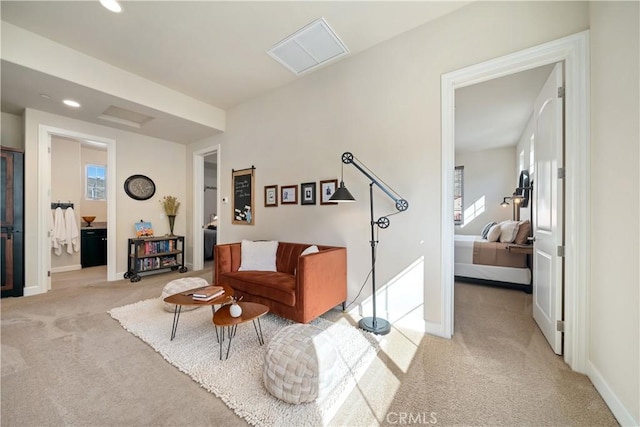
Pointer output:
x,y
486,229
494,233
258,256
509,230
523,233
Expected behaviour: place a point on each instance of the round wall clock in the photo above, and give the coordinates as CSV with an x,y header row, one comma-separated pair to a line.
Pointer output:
x,y
139,187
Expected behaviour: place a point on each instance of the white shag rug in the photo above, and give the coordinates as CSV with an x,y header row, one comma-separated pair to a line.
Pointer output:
x,y
238,380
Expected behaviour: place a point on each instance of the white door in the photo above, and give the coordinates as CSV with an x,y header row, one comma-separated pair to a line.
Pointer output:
x,y
548,209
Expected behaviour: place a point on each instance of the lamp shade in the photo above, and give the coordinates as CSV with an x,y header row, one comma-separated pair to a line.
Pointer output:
x,y
504,203
342,194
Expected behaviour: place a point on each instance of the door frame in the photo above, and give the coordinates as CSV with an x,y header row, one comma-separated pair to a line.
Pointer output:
x,y
44,203
198,201
574,52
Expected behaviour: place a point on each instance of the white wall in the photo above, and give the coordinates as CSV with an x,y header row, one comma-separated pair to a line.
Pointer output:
x,y
162,161
614,352
489,176
384,105
12,131
66,181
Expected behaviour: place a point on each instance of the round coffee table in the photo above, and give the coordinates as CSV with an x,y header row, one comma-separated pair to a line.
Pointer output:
x,y
186,298
250,311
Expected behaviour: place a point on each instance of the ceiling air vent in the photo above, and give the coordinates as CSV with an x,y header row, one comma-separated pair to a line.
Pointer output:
x,y
308,48
125,117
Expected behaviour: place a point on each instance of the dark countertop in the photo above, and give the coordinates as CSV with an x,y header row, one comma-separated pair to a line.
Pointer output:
x,y
94,225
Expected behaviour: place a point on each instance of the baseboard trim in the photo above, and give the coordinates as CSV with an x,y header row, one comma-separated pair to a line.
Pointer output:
x,y
617,408
437,329
66,268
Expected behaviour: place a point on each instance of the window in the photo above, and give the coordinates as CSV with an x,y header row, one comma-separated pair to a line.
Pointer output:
x,y
457,194
96,183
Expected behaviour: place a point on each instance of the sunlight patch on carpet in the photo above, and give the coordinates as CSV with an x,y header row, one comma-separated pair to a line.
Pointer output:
x,y
238,380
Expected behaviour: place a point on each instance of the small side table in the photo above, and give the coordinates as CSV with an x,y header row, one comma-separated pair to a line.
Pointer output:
x,y
186,298
251,311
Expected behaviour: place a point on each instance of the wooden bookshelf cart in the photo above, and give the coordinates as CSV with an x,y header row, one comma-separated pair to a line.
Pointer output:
x,y
153,254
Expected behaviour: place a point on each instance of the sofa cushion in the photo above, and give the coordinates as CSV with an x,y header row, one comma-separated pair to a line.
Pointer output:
x,y
313,249
258,256
275,286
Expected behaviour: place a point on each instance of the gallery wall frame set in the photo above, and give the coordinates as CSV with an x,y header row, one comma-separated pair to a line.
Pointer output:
x,y
288,194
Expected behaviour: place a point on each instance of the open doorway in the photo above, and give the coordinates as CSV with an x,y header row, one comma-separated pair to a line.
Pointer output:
x,y
210,208
205,224
496,123
79,207
44,256
573,52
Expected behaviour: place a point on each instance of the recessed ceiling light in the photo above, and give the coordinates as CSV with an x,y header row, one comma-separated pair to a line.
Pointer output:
x,y
71,103
112,5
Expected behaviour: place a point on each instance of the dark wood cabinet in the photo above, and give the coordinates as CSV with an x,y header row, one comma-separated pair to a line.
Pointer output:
x,y
12,222
93,247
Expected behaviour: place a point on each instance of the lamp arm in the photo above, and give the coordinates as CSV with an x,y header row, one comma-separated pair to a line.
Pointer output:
x,y
401,204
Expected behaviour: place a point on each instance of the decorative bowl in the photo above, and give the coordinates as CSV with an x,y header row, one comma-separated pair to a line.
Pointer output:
x,y
88,220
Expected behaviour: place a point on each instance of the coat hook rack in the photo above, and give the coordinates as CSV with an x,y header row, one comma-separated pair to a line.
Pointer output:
x,y
61,205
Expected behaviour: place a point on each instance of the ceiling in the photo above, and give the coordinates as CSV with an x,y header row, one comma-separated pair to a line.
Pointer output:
x,y
215,52
493,114
212,51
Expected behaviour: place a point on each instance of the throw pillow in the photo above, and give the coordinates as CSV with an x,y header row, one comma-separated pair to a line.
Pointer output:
x,y
509,229
258,256
523,233
310,250
494,233
486,229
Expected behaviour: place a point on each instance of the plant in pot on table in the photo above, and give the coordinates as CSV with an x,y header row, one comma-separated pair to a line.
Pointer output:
x,y
170,205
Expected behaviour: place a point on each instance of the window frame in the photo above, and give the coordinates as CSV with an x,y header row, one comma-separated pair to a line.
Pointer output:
x,y
87,187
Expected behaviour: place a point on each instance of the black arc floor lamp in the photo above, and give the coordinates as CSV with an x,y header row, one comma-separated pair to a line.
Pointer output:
x,y
372,324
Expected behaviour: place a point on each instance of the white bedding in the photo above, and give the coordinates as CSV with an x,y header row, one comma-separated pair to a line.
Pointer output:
x,y
464,266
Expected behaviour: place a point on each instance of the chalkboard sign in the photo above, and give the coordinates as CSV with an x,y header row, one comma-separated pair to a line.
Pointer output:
x,y
243,194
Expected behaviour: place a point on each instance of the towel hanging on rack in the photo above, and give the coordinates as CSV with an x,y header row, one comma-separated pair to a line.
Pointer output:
x,y
72,233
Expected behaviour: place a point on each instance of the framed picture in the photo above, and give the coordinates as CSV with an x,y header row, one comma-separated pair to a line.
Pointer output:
x,y
289,195
327,188
270,196
243,183
308,193
143,229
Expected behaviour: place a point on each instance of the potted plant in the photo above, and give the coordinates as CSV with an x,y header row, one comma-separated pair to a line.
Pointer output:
x,y
170,204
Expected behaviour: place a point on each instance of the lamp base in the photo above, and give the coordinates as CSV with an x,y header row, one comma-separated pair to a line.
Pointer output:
x,y
381,327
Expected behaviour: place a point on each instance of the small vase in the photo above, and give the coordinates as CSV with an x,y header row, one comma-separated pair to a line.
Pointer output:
x,y
172,221
235,310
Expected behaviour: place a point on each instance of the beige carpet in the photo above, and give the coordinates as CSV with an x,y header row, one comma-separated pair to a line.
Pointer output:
x,y
66,362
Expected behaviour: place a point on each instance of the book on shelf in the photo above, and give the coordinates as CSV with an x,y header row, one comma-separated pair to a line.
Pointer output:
x,y
208,293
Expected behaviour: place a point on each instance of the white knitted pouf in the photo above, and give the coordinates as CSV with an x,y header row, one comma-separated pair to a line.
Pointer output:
x,y
181,285
299,364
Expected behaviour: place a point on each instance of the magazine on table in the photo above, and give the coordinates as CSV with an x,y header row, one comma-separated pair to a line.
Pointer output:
x,y
207,293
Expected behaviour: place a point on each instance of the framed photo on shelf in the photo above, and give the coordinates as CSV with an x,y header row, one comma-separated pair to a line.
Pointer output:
x,y
270,196
144,229
327,188
289,195
308,193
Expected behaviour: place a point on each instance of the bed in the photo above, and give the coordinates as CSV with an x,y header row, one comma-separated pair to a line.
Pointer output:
x,y
480,261
210,238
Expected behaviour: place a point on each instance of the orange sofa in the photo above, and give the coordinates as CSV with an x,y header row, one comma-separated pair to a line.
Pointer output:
x,y
302,288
